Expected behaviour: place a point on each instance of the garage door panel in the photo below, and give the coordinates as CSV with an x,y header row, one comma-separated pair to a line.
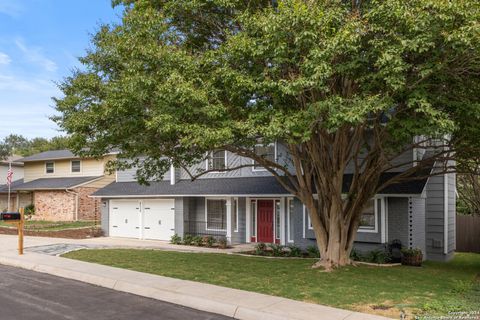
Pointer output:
x,y
159,219
125,219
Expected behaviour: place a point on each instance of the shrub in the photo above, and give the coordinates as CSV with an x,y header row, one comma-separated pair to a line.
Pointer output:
x,y
412,257
313,252
209,241
198,241
176,239
188,239
378,256
223,243
29,210
260,249
355,255
277,249
294,251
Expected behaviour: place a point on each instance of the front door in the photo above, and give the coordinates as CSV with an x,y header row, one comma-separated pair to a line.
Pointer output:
x,y
265,209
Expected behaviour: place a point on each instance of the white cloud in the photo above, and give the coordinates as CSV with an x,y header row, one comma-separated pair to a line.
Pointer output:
x,y
4,59
34,55
10,7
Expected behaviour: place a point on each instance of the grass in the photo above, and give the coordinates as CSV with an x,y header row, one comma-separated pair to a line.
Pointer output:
x,y
435,288
52,225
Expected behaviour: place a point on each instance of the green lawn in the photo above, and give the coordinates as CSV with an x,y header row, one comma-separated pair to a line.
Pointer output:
x,y
435,288
53,225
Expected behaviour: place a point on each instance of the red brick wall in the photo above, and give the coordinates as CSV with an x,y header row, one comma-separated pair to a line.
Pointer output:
x,y
54,206
88,208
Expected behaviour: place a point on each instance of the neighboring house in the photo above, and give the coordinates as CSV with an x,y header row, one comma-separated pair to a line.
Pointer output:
x,y
249,205
59,184
17,168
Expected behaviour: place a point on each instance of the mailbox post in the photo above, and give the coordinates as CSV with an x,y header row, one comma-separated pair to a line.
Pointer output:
x,y
18,219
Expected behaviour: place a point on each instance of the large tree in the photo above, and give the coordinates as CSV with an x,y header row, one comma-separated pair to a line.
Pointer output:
x,y
344,85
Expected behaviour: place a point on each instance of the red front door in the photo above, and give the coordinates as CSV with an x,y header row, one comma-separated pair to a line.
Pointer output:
x,y
265,221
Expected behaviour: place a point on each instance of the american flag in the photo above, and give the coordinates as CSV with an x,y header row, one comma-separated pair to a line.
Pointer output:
x,y
9,175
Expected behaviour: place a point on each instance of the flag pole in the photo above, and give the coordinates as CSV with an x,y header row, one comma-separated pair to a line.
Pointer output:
x,y
8,201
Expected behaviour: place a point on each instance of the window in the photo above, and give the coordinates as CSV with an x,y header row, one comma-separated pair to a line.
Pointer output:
x,y
265,151
235,214
368,220
76,166
290,221
253,212
50,167
216,213
217,160
277,219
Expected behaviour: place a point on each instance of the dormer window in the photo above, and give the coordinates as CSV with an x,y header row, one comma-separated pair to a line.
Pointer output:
x,y
217,160
49,167
267,152
76,166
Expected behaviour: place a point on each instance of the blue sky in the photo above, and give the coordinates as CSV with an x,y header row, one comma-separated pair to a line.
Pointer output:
x,y
40,41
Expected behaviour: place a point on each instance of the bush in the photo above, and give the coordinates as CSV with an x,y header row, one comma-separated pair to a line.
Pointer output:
x,y
176,239
208,241
378,256
412,257
198,241
313,252
355,255
188,239
260,249
223,243
294,251
277,249
29,210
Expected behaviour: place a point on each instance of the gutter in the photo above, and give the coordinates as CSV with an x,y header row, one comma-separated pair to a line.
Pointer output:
x,y
76,202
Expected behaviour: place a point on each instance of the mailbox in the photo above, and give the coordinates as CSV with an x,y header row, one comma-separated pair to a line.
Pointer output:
x,y
10,216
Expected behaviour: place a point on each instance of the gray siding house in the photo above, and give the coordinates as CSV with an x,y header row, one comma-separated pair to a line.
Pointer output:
x,y
249,205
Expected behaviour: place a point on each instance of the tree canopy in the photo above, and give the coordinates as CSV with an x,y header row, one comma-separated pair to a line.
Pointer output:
x,y
338,82
19,145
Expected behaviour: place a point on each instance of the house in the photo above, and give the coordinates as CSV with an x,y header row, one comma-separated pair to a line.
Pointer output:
x,y
248,205
17,168
59,184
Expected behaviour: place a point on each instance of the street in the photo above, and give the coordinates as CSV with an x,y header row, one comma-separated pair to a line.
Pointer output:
x,y
27,295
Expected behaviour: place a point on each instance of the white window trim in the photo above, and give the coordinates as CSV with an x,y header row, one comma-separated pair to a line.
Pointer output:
x,y
236,214
309,220
206,214
275,235
209,158
288,219
375,210
71,167
275,156
52,162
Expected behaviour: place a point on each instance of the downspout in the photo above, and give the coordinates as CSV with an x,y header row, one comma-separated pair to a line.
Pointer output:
x,y
76,202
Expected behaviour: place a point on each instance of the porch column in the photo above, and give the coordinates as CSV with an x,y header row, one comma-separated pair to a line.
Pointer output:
x,y
248,205
229,220
18,201
283,214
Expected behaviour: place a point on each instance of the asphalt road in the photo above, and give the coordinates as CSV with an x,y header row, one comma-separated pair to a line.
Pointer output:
x,y
27,295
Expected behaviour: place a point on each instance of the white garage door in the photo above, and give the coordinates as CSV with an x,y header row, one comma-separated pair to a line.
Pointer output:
x,y
144,219
158,219
125,218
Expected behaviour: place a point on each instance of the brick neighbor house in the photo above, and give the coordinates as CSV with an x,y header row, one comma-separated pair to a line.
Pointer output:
x,y
59,184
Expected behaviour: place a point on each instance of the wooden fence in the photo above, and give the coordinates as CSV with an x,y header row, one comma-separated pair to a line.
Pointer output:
x,y
468,234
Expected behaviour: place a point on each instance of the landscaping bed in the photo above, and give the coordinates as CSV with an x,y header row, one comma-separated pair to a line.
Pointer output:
x,y
56,229
435,289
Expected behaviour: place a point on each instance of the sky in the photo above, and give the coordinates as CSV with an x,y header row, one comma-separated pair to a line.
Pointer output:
x,y
40,41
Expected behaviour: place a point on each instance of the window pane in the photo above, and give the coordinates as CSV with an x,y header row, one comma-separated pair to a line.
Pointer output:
x,y
290,220
49,167
254,218
367,221
75,166
217,214
234,214
217,160
277,219
268,152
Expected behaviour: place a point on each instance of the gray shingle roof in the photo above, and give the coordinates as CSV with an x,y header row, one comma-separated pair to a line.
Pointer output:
x,y
50,155
4,187
53,183
261,186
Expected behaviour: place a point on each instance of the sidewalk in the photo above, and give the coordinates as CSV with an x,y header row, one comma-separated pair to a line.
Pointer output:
x,y
234,303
